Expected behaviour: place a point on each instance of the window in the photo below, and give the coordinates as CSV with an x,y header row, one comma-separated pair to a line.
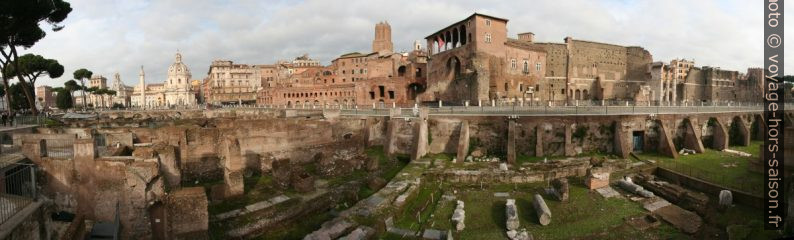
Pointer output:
x,y
391,94
513,63
381,89
487,37
487,22
526,67
537,67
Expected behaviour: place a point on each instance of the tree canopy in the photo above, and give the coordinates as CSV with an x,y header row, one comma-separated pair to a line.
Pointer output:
x,y
82,73
33,66
64,100
19,20
20,27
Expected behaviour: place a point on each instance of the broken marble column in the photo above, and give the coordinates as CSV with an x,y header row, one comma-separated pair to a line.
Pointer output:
x,y
634,188
726,199
463,141
512,214
559,189
459,217
233,166
542,210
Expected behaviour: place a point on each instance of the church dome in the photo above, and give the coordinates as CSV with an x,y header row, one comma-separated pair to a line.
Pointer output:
x,y
178,67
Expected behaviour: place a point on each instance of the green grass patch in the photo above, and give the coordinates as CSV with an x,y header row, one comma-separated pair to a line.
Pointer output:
x,y
709,166
418,209
586,215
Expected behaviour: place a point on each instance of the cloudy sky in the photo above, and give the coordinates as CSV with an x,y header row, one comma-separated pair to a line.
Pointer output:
x,y
120,36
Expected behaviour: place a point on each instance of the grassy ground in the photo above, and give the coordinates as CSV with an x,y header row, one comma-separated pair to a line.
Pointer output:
x,y
709,166
586,215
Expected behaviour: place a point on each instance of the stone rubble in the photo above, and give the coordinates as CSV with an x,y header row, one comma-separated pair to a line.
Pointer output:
x,y
739,153
459,216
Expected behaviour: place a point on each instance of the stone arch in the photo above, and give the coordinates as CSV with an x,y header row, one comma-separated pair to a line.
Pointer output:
x,y
453,66
585,95
401,71
414,89
455,38
289,104
447,40
758,127
316,103
578,94
738,133
463,35
715,134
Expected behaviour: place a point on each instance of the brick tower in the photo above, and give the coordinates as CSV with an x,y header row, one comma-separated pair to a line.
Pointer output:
x,y
382,40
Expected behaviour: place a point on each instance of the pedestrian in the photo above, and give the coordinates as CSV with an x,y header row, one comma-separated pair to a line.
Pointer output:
x,y
3,117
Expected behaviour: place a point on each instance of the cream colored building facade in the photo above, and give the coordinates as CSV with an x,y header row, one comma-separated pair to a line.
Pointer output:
x,y
177,90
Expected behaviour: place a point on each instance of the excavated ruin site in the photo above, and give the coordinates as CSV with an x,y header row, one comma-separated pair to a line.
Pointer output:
x,y
320,174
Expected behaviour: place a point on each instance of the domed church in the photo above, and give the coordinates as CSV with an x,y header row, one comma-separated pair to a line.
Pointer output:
x,y
177,89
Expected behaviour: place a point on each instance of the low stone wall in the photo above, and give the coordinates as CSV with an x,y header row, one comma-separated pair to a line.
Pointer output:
x,y
709,188
495,176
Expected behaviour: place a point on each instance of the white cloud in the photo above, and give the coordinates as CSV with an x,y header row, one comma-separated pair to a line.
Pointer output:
x,y
119,36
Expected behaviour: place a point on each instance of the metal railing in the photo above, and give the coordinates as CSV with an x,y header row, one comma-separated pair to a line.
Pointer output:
x,y
502,108
23,120
17,188
740,184
60,148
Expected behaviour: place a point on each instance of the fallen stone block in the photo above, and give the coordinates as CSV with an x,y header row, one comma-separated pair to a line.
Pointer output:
x,y
655,204
684,220
360,233
597,177
608,192
432,234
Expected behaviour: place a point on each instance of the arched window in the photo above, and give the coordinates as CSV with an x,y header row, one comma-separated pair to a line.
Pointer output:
x,y
487,38
526,67
401,71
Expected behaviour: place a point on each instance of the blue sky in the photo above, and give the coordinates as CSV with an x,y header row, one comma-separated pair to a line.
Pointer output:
x,y
120,36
